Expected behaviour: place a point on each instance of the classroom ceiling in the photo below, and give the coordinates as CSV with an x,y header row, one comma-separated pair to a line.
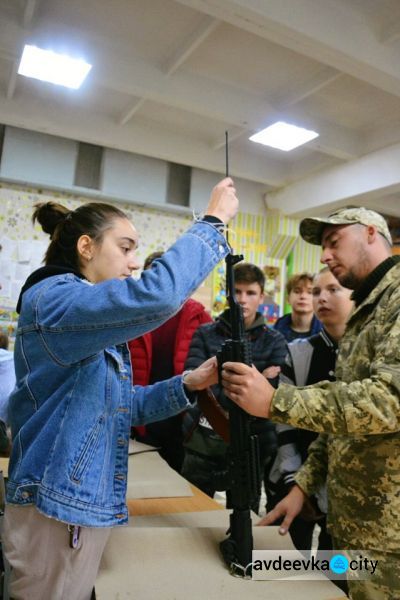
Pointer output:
x,y
170,76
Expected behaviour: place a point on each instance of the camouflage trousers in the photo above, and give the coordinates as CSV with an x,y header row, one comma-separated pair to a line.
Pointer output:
x,y
384,584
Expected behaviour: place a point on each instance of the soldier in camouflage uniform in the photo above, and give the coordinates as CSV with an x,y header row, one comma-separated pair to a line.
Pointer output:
x,y
358,416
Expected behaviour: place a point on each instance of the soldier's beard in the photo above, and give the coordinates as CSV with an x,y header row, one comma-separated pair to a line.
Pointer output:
x,y
350,280
356,275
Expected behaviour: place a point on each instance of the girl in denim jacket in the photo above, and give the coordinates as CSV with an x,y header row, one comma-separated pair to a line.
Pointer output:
x,y
74,404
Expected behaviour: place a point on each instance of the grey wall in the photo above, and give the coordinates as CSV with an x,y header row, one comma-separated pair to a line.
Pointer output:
x,y
134,177
45,160
251,194
37,157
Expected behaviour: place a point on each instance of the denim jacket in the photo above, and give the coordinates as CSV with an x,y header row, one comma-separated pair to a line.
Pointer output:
x,y
73,405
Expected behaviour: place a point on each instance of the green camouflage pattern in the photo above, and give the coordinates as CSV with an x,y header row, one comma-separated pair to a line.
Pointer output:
x,y
311,228
360,412
384,583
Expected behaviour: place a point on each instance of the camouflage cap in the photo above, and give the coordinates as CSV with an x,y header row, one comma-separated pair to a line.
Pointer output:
x,y
311,229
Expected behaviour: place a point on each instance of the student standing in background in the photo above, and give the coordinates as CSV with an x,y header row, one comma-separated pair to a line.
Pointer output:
x,y
159,355
301,322
309,361
206,460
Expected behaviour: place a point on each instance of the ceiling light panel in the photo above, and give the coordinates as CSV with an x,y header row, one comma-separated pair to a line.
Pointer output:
x,y
283,136
50,66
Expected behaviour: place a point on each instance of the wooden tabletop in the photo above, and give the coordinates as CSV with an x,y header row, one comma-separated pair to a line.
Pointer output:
x,y
199,502
159,506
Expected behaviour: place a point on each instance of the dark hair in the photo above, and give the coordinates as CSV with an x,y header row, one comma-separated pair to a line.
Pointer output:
x,y
3,340
249,273
298,279
65,227
152,257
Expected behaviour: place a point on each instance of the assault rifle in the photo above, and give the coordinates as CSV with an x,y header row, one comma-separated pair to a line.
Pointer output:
x,y
243,453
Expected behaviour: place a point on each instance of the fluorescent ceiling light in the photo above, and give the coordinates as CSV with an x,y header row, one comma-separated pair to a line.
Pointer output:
x,y
47,65
283,136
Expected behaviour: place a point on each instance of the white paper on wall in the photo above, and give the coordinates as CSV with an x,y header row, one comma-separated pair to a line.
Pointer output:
x,y
38,250
7,269
22,271
8,248
5,290
24,250
16,289
17,261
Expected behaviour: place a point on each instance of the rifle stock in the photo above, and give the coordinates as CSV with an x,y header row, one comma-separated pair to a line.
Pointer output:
x,y
214,413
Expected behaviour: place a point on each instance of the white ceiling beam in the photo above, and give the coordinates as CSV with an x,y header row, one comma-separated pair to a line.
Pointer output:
x,y
303,90
333,139
12,80
388,30
391,32
186,91
174,62
309,165
127,114
365,179
140,137
232,136
389,205
206,27
380,136
29,12
327,31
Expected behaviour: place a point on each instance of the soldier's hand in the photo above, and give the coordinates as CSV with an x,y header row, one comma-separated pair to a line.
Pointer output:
x,y
223,202
248,388
289,508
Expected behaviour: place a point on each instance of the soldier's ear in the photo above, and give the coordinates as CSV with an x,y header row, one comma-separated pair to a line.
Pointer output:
x,y
372,233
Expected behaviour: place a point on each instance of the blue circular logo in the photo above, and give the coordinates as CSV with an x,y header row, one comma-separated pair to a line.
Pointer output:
x,y
339,564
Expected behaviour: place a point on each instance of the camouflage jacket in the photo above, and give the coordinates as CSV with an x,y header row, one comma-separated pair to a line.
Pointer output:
x,y
360,413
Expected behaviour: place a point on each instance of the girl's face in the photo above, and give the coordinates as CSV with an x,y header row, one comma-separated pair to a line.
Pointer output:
x,y
112,258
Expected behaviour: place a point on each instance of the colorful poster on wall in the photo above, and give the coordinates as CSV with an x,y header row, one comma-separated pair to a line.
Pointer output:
x,y
270,307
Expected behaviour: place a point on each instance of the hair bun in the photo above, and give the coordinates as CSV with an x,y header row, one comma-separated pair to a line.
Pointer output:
x,y
49,215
